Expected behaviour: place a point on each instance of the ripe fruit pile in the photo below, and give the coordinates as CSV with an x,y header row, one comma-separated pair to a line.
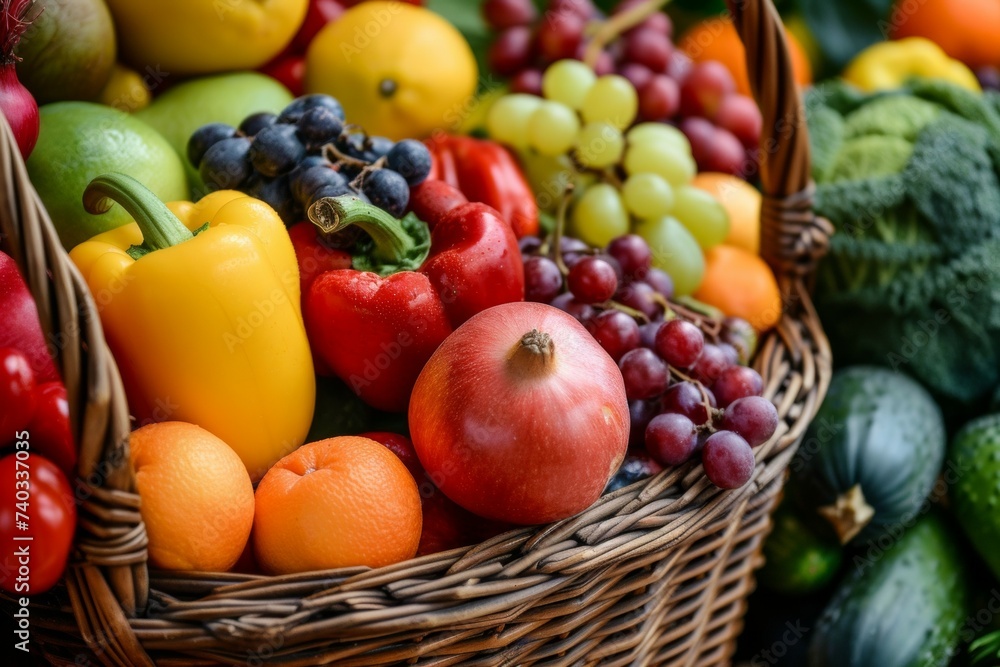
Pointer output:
x,y
639,180
687,396
306,153
722,125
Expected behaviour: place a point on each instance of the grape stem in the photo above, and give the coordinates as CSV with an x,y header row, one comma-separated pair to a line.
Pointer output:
x,y
616,25
628,310
560,229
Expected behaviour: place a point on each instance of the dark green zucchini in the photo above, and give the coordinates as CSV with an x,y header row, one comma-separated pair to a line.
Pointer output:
x,y
904,606
871,456
974,474
798,558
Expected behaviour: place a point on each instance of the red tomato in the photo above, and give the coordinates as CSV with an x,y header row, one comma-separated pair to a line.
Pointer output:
x,y
49,429
17,393
35,501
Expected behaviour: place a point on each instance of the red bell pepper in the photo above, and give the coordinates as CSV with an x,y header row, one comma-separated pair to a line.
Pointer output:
x,y
20,327
377,332
485,172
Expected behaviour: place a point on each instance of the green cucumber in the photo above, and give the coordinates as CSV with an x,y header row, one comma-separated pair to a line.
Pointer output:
x,y
798,558
904,606
974,473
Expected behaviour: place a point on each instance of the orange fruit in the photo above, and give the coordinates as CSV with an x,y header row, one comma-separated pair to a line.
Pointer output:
x,y
741,201
197,498
968,30
335,503
740,284
715,38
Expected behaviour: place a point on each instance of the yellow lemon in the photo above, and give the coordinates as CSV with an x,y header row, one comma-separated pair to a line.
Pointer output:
x,y
399,70
203,36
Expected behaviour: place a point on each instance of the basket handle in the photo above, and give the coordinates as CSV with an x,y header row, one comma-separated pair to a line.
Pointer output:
x,y
793,238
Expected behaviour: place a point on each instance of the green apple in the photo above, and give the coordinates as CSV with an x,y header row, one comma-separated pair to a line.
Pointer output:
x,y
68,51
225,98
79,141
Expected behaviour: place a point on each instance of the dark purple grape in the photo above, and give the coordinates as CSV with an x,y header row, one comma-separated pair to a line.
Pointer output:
x,y
737,382
511,51
728,460
660,281
276,193
647,334
730,353
685,398
641,297
380,147
754,418
529,245
276,150
387,190
333,191
226,165
680,343
527,81
319,126
256,122
640,413
204,138
635,467
633,254
671,439
592,280
559,35
644,373
411,160
638,75
617,333
568,244
542,279
583,312
500,14
710,364
305,183
356,145
299,106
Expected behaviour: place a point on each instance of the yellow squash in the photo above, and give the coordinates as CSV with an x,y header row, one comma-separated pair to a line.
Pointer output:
x,y
204,317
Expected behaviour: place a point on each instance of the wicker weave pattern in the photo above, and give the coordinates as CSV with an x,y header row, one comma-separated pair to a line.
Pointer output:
x,y
653,574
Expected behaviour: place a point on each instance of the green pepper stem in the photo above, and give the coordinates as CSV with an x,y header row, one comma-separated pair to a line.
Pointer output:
x,y
334,214
159,226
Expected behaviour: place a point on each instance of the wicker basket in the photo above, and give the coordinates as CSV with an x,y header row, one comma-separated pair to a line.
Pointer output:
x,y
653,574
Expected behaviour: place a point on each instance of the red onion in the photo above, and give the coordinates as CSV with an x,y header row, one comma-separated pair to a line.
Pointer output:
x,y
16,103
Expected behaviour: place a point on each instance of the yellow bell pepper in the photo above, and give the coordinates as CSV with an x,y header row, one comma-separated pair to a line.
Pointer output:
x,y
200,306
887,65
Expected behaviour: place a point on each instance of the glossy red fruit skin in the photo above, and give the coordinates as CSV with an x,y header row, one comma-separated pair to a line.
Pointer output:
x,y
51,523
516,436
18,396
49,428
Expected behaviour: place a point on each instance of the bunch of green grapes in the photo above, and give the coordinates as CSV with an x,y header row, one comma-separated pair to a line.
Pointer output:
x,y
628,178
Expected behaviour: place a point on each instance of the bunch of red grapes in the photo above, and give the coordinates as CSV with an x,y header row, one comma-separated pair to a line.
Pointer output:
x,y
687,396
722,125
